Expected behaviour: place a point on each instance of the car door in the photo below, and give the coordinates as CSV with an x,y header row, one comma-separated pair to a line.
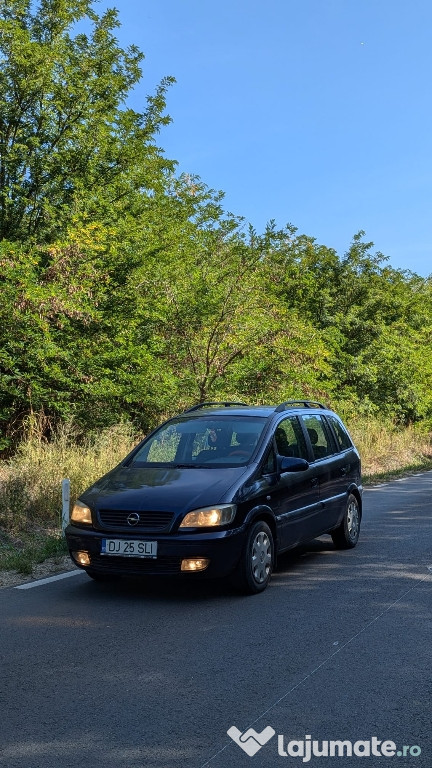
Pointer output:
x,y
295,495
328,466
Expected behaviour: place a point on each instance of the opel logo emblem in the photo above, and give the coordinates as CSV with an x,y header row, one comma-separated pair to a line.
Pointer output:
x,y
133,518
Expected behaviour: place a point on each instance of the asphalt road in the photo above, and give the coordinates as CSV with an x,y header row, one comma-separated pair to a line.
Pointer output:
x,y
137,675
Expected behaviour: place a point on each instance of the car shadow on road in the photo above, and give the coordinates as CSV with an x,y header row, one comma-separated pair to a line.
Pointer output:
x,y
164,588
294,556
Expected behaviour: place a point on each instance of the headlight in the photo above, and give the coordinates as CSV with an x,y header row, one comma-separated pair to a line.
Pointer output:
x,y
81,513
209,516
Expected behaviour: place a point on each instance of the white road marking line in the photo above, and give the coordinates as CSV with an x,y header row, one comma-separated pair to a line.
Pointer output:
x,y
40,582
397,480
323,663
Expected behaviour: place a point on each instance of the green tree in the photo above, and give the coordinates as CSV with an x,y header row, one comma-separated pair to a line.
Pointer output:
x,y
226,332
68,143
80,175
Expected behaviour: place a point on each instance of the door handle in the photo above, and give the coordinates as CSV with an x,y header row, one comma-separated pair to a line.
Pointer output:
x,y
346,469
314,482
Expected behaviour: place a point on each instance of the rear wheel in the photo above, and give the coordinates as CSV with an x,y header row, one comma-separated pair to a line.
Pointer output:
x,y
346,536
254,570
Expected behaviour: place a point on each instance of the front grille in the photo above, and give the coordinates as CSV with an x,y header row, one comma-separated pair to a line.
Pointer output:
x,y
150,521
164,565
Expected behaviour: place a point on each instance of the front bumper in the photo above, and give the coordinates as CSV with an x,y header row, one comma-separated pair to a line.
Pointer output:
x,y
222,548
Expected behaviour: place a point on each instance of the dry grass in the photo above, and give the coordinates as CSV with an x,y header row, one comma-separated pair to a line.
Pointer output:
x,y
30,483
30,490
384,449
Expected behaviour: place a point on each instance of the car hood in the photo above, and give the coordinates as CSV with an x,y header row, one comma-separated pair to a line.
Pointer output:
x,y
175,489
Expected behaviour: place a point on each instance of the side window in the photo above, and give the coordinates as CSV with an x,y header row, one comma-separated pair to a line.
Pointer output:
x,y
289,438
269,466
342,436
322,444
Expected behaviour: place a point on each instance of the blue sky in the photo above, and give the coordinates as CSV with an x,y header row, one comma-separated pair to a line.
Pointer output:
x,y
313,112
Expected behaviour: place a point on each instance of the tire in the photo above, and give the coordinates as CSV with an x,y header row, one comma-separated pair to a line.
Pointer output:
x,y
347,534
254,570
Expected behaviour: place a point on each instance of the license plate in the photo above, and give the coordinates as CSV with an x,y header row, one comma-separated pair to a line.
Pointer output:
x,y
125,548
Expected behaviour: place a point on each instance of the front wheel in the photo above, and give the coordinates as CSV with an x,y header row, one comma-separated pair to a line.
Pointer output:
x,y
254,570
347,534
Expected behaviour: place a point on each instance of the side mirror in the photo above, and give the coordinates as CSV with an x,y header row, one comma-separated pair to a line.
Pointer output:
x,y
292,464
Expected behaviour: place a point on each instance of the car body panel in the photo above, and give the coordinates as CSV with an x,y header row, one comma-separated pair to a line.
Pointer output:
x,y
178,490
296,502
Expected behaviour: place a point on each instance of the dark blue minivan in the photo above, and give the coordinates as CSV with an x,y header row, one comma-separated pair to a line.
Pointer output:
x,y
220,490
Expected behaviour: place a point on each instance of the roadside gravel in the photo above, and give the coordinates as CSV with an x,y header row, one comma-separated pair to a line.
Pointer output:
x,y
50,567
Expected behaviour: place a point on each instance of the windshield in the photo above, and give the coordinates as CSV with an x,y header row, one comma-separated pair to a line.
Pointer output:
x,y
205,442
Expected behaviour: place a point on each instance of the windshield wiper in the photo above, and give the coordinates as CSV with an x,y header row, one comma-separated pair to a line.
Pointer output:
x,y
189,466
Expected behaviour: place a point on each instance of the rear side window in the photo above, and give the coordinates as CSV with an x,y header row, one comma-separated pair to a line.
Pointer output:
x,y
319,435
342,436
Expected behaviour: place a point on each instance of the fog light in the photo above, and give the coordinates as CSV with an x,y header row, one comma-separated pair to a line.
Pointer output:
x,y
198,564
82,558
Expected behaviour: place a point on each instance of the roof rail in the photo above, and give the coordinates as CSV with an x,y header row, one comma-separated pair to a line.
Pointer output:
x,y
302,403
225,403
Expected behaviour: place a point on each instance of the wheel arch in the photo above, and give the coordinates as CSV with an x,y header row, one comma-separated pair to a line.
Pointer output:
x,y
355,492
265,514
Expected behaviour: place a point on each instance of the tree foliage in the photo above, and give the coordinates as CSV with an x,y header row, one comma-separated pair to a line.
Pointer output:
x,y
127,291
